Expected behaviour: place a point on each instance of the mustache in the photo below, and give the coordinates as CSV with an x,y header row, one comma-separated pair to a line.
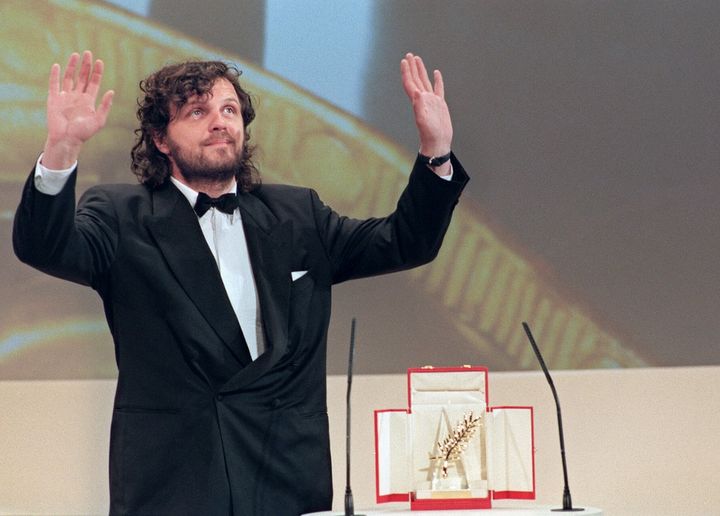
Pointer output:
x,y
220,138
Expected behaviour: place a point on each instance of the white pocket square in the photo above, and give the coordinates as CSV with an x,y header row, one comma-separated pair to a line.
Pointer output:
x,y
296,275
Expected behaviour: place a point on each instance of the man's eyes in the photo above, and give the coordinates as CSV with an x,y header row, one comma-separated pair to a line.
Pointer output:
x,y
197,112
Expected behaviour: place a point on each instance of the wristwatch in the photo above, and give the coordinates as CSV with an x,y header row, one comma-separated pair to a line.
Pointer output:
x,y
433,161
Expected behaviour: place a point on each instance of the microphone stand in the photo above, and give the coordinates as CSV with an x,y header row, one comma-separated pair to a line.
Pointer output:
x,y
567,500
349,505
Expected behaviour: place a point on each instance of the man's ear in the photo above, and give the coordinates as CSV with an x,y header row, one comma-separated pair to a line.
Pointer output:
x,y
160,143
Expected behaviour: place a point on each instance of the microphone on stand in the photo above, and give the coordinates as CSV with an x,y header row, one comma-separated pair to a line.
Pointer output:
x,y
349,509
567,500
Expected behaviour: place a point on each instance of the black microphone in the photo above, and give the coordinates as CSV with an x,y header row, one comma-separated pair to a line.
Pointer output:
x,y
567,500
349,509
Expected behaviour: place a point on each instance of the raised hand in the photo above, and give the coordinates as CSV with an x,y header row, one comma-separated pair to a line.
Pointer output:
x,y
432,115
72,115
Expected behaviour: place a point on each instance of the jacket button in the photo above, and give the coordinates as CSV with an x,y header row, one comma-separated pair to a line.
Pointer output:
x,y
219,397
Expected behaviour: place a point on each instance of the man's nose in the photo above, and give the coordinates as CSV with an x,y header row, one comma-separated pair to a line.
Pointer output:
x,y
217,122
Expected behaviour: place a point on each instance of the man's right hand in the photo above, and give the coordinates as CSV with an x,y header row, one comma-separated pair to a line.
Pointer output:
x,y
72,117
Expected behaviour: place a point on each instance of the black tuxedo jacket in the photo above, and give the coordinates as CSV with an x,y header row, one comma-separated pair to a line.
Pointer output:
x,y
198,428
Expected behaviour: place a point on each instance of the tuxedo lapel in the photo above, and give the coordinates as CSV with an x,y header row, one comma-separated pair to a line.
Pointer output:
x,y
269,245
176,231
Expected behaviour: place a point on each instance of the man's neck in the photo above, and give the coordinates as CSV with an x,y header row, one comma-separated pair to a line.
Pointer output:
x,y
211,188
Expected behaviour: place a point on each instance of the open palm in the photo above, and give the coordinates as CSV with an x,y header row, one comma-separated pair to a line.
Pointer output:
x,y
432,116
72,115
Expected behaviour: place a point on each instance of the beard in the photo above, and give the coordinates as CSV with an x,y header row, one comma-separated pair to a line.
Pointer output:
x,y
197,167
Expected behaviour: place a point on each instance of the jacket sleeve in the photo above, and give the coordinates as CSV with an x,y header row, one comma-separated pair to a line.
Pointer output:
x,y
52,236
408,237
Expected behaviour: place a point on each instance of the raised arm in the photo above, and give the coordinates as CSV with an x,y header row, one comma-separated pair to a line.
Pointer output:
x,y
72,115
432,115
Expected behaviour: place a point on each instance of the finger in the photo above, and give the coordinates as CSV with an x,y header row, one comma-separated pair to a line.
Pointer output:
x,y
406,76
414,72
93,85
422,74
439,84
104,108
70,72
85,70
54,81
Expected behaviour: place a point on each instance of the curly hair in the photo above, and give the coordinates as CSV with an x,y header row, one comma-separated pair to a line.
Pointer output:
x,y
171,87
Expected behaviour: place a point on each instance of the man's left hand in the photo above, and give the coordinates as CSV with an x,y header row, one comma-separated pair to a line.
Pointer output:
x,y
432,115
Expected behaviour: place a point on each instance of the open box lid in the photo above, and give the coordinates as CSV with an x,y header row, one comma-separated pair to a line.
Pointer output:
x,y
509,435
447,386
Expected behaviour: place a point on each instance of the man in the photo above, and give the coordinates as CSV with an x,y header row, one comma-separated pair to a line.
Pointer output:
x,y
219,319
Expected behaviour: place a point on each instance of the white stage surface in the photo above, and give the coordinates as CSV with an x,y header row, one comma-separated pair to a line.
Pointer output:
x,y
501,511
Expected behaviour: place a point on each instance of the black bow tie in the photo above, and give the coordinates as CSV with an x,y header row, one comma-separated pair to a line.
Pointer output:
x,y
225,203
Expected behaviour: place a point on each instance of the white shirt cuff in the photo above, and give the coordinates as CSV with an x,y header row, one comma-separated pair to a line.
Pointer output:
x,y
449,176
51,182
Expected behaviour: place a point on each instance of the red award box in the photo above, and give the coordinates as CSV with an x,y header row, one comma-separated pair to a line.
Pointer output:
x,y
451,450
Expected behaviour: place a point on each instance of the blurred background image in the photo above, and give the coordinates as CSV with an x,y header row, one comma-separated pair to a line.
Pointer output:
x,y
589,130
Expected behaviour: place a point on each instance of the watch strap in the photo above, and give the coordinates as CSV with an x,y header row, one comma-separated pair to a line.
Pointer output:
x,y
433,161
